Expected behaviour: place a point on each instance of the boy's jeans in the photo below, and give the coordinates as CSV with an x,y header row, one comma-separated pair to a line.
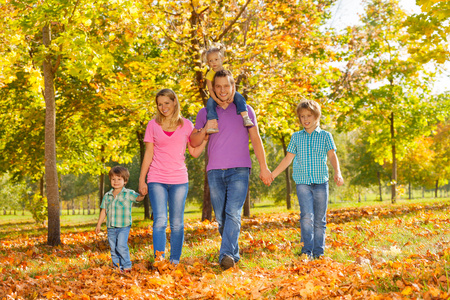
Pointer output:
x,y
118,242
238,100
228,192
313,201
160,195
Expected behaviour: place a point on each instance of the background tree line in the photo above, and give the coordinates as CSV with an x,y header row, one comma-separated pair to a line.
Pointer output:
x,y
79,77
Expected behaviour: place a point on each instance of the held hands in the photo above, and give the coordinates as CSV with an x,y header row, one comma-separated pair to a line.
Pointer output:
x,y
266,176
143,189
338,179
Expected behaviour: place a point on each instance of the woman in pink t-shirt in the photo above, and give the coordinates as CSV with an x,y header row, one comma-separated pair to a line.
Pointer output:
x,y
166,138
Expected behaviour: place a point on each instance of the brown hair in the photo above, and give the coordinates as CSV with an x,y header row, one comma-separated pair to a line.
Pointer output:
x,y
119,171
175,119
310,105
223,73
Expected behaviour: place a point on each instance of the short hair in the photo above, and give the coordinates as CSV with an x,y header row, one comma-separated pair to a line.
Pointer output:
x,y
310,105
223,73
176,117
119,171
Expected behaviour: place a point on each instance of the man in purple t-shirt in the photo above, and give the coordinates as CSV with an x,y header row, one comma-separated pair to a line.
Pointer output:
x,y
229,164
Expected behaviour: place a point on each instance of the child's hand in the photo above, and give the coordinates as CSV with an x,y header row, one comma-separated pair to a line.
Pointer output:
x,y
338,179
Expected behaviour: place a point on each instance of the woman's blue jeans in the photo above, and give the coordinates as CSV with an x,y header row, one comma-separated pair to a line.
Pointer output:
x,y
174,195
228,189
313,201
118,242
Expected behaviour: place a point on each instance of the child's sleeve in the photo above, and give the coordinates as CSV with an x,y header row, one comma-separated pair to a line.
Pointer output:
x,y
292,147
133,195
330,142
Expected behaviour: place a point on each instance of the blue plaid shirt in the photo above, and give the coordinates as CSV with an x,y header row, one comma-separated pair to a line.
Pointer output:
x,y
310,162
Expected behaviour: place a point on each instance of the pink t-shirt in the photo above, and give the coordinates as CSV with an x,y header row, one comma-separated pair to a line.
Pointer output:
x,y
168,164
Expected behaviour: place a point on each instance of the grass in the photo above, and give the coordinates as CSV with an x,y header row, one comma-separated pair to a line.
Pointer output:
x,y
381,249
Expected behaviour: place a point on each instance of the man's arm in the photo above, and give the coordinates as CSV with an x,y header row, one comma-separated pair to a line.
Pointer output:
x,y
258,148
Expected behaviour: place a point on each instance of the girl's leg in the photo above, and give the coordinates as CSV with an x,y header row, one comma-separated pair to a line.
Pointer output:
x,y
305,200
158,194
320,194
241,108
211,114
177,200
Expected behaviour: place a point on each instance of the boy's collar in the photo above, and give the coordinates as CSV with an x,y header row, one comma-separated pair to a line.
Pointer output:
x,y
317,129
112,190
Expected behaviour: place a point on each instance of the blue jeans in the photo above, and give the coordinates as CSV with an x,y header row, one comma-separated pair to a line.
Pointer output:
x,y
239,101
118,242
228,190
313,201
160,195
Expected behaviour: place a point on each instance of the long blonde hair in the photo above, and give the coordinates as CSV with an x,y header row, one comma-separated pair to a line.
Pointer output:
x,y
176,119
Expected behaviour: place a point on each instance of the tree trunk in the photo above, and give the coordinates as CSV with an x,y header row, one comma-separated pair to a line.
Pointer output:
x,y
206,208
73,208
88,204
288,179
247,204
51,173
394,162
436,189
101,181
409,190
140,137
379,185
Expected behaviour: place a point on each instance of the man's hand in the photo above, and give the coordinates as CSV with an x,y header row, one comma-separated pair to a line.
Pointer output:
x,y
266,176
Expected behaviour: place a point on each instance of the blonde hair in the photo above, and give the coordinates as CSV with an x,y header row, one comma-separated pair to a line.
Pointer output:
x,y
217,48
310,105
176,118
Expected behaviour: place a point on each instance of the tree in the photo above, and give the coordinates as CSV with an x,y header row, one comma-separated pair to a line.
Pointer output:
x,y
383,90
430,29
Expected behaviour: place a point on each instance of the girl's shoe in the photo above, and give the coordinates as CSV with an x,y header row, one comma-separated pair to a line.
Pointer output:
x,y
247,121
212,130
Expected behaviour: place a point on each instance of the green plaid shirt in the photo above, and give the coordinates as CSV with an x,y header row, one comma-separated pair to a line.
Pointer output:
x,y
118,209
310,162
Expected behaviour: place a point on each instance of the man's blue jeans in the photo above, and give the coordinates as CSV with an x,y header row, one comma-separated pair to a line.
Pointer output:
x,y
160,195
228,189
211,105
313,201
118,242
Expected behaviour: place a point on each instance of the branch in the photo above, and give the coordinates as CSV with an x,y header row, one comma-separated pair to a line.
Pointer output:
x,y
232,22
170,38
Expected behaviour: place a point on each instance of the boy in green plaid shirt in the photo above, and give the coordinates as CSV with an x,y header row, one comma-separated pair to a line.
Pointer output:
x,y
309,149
116,205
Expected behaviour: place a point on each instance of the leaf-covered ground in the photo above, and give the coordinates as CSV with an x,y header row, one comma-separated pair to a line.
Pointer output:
x,y
399,252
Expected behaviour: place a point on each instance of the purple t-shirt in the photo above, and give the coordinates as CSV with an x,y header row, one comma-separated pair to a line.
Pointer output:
x,y
229,147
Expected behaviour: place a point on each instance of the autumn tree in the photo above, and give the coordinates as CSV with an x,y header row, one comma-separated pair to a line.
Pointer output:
x,y
383,90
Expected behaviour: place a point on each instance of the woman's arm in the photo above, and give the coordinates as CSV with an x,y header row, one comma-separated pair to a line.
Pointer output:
x,y
196,151
146,162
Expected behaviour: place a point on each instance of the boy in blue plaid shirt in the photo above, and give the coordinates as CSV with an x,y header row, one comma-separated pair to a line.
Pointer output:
x,y
116,205
309,150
